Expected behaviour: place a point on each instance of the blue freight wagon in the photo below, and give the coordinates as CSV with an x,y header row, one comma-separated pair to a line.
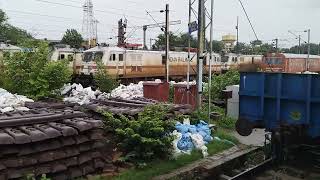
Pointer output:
x,y
279,102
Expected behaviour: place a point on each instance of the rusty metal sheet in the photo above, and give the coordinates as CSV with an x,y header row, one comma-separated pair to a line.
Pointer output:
x,y
64,129
78,123
18,135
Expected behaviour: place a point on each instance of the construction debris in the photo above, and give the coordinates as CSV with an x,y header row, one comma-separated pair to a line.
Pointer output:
x,y
12,102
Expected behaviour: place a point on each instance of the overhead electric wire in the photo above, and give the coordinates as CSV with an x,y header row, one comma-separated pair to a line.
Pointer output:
x,y
248,19
80,7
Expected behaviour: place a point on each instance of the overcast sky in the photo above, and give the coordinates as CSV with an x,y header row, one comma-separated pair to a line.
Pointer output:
x,y
271,18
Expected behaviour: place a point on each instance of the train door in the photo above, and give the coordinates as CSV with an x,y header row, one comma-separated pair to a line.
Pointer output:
x,y
116,63
136,65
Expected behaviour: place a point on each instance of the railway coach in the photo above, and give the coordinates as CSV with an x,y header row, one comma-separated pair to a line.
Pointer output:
x,y
128,64
290,63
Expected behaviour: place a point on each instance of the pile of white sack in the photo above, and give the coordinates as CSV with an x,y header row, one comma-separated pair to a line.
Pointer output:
x,y
128,92
12,102
75,93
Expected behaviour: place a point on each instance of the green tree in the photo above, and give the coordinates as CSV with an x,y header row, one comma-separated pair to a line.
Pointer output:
x,y
103,80
72,38
31,74
11,33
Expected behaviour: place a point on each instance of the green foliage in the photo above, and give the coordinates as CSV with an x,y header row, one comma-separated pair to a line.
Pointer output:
x,y
72,38
161,167
223,134
31,74
103,80
171,93
220,82
226,122
32,177
146,137
11,33
175,41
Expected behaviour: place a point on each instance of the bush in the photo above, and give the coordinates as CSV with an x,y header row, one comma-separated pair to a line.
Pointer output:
x,y
227,122
220,82
145,138
31,73
103,80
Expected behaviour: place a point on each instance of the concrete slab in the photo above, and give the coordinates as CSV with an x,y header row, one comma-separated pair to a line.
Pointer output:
x,y
255,139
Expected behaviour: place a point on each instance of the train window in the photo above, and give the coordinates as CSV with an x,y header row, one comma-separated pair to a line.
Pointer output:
x,y
87,56
70,57
62,56
120,57
252,61
112,57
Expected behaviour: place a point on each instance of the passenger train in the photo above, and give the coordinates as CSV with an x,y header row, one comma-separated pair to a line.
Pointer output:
x,y
142,64
124,63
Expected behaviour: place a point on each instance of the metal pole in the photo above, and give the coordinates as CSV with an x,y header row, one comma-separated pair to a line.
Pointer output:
x,y
299,48
189,56
307,62
237,27
210,60
200,57
144,37
167,41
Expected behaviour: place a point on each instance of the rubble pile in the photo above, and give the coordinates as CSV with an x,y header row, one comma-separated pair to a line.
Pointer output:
x,y
61,143
75,93
128,92
12,102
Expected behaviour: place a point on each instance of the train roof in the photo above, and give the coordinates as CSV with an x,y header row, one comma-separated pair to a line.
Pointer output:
x,y
303,56
105,48
8,47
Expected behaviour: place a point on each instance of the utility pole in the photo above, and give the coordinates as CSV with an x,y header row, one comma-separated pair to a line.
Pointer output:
x,y
200,56
299,47
167,41
237,28
276,43
307,62
210,60
144,38
189,46
319,49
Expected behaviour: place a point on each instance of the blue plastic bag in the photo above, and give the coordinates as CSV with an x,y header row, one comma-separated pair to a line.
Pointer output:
x,y
185,142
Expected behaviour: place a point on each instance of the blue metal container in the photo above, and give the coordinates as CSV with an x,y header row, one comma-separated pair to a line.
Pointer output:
x,y
273,100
